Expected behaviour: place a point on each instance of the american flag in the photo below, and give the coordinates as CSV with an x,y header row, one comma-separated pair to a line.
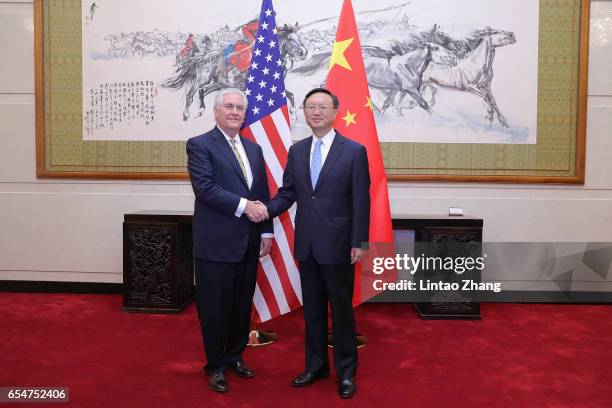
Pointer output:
x,y
278,289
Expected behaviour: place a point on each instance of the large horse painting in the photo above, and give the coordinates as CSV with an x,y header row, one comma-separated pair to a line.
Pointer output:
x,y
439,71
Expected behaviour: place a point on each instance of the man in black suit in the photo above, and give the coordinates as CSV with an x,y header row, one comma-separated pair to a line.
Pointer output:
x,y
227,175
327,174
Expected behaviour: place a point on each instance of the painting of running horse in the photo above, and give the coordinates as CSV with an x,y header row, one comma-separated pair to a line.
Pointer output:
x,y
441,65
474,72
406,72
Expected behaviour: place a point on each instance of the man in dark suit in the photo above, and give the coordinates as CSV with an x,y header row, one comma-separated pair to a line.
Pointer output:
x,y
327,174
227,174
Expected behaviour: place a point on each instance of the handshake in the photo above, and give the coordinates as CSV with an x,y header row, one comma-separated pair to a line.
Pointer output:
x,y
256,211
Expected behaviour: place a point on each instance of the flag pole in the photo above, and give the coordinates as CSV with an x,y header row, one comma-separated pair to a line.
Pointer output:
x,y
362,340
258,338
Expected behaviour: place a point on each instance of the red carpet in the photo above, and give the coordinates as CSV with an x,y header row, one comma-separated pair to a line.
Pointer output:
x,y
517,356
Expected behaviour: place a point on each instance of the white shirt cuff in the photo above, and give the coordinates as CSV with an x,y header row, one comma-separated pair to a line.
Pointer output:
x,y
267,235
241,206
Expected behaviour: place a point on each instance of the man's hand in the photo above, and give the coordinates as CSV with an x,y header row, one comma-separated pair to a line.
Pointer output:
x,y
357,254
265,246
256,211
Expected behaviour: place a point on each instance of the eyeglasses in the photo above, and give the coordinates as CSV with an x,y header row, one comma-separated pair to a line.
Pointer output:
x,y
231,107
322,109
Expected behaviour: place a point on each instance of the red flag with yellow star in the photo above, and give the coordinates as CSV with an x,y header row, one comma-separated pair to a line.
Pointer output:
x,y
347,79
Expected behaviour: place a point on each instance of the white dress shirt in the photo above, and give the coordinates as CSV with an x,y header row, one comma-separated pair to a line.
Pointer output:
x,y
327,141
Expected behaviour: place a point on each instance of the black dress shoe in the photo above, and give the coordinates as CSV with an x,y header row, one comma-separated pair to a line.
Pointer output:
x,y
307,378
347,388
241,369
218,382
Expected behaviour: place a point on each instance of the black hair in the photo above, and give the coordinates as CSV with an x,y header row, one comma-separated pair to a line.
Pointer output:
x,y
335,99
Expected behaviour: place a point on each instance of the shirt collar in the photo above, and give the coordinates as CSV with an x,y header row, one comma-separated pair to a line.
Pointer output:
x,y
237,138
327,140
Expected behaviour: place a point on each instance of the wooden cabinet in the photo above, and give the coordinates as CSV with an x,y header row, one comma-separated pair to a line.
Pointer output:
x,y
157,261
445,236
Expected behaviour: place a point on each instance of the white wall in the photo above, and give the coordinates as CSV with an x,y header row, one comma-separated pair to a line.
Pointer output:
x,y
70,230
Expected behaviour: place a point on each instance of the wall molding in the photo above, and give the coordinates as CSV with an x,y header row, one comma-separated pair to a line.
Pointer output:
x,y
60,287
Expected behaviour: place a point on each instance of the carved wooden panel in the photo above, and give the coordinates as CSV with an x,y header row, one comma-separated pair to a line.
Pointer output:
x,y
150,263
158,263
450,242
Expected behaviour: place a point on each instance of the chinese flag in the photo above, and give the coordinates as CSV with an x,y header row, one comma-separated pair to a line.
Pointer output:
x,y
347,79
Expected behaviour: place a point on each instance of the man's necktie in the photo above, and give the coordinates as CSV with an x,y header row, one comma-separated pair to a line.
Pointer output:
x,y
316,163
237,153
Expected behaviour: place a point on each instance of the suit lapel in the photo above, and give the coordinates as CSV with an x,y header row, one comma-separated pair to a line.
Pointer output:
x,y
332,155
227,151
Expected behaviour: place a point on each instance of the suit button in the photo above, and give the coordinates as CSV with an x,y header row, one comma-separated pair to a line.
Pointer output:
x,y
313,197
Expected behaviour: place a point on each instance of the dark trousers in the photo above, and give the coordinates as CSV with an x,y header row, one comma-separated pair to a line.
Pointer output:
x,y
334,284
224,295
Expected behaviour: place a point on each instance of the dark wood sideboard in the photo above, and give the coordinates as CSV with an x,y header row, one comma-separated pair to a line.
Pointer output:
x,y
157,261
444,231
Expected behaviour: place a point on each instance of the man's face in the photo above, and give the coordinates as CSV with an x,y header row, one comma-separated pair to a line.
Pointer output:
x,y
320,113
230,114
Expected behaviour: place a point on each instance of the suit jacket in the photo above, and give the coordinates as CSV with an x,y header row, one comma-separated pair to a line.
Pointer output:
x,y
335,216
218,185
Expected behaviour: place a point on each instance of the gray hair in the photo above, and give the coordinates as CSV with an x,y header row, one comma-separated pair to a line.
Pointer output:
x,y
224,91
